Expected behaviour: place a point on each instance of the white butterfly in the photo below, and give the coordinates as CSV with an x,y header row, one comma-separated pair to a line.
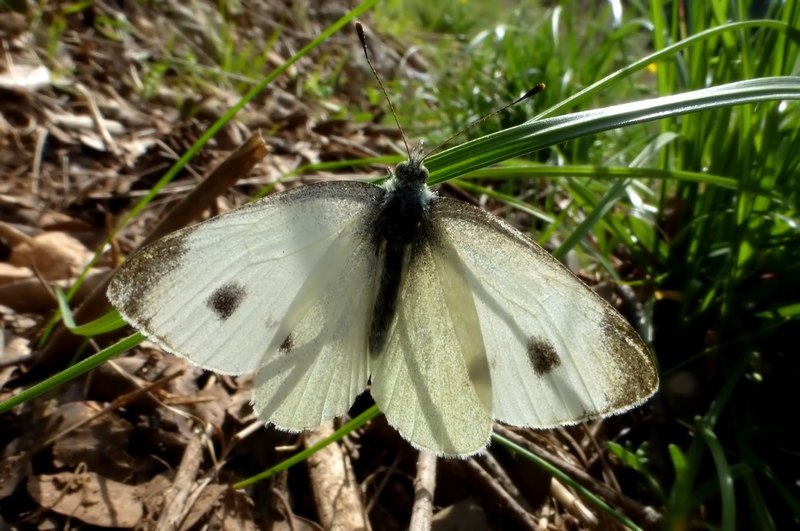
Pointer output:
x,y
451,316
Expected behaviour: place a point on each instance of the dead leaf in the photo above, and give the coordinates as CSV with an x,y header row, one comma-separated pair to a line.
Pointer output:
x,y
80,445
10,273
13,349
204,504
234,512
466,514
88,497
13,470
29,295
55,255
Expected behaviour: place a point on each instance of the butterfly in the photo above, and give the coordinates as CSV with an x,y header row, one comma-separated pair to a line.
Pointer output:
x,y
452,317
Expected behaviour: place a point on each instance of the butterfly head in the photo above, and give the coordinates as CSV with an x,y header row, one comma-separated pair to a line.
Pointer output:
x,y
410,174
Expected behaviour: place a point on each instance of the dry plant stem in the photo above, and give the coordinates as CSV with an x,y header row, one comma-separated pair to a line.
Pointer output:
x,y
41,139
63,343
490,464
333,482
573,504
631,508
13,236
237,165
285,509
177,495
524,519
424,487
609,477
389,472
97,118
575,447
31,296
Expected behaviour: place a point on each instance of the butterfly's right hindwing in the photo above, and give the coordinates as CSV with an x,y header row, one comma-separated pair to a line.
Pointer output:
x,y
321,364
432,379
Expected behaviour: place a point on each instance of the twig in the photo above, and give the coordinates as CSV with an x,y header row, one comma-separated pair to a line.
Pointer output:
x,y
177,497
499,474
524,519
117,403
333,482
424,486
631,507
572,503
97,118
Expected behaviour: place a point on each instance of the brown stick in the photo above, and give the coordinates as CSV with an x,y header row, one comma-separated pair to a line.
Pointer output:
x,y
176,498
424,487
336,490
523,518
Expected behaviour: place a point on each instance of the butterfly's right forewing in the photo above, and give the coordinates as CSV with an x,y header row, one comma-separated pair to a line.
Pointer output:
x,y
558,353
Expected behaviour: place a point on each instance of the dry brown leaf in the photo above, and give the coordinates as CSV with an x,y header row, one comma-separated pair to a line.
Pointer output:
x,y
25,77
13,347
465,515
204,504
235,511
152,496
83,122
80,445
88,497
29,295
55,255
13,470
10,273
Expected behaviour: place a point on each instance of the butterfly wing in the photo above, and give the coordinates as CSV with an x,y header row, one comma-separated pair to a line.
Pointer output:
x,y
322,364
558,353
432,379
259,288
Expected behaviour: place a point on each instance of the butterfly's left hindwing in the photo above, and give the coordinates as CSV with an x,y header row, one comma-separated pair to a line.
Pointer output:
x,y
322,364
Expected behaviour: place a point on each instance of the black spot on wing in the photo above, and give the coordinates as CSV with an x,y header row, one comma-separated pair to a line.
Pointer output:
x,y
543,355
288,344
226,299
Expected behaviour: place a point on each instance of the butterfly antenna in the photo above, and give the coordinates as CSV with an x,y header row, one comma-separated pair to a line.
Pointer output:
x,y
363,38
532,92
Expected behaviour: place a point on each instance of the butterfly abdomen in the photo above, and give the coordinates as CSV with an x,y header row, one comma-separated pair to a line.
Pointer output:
x,y
401,223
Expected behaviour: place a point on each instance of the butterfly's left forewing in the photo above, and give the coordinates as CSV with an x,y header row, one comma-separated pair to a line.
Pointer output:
x,y
283,286
557,352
